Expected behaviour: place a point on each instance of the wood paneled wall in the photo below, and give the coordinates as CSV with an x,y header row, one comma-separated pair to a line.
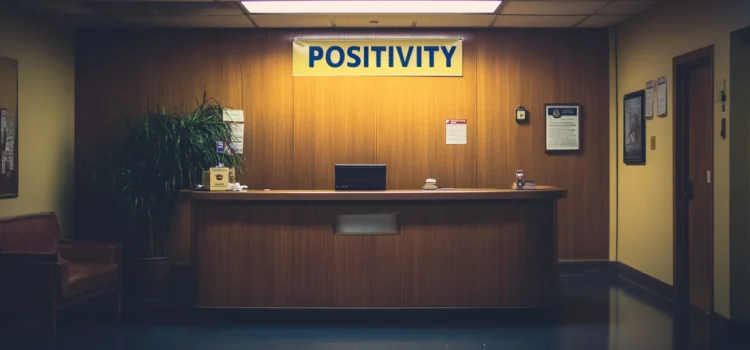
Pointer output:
x,y
297,128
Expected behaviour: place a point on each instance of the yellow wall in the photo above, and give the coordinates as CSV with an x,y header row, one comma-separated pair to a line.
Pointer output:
x,y
46,109
646,45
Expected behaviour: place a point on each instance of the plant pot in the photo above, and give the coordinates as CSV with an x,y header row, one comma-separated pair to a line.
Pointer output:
x,y
147,281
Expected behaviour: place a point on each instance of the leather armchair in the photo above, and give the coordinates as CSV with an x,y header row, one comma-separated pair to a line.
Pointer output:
x,y
41,275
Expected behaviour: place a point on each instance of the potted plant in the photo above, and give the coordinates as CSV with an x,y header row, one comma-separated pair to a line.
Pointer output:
x,y
135,186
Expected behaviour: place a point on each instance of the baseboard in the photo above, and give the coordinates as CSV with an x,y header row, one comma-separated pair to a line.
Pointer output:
x,y
630,275
586,267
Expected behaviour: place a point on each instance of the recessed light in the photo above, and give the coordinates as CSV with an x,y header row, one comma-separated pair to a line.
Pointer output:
x,y
372,6
374,22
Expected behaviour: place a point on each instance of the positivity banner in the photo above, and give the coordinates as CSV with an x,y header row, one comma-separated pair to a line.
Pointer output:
x,y
378,57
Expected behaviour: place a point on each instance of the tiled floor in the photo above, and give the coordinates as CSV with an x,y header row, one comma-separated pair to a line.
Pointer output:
x,y
595,313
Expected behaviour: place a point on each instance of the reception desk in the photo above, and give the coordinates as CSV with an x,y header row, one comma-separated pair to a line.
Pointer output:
x,y
461,248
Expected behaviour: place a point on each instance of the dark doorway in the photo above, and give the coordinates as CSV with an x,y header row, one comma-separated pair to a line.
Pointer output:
x,y
693,135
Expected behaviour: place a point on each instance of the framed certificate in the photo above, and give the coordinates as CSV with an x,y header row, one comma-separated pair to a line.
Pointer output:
x,y
563,127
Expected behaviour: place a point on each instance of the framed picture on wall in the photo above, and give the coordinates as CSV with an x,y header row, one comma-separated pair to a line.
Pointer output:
x,y
634,128
8,128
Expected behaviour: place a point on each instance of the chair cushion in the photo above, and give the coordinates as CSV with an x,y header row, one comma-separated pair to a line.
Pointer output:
x,y
87,276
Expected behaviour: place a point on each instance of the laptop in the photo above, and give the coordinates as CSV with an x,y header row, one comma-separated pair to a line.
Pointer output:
x,y
360,177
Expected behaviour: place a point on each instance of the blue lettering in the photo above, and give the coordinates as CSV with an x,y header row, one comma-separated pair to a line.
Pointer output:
x,y
367,56
390,56
432,50
378,50
341,56
351,51
448,54
404,60
316,53
419,56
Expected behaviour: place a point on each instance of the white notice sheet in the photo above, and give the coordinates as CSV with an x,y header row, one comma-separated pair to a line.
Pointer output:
x,y
455,132
661,97
649,108
238,137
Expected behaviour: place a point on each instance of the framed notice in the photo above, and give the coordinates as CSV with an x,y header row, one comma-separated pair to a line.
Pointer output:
x,y
661,97
563,127
8,128
649,108
634,129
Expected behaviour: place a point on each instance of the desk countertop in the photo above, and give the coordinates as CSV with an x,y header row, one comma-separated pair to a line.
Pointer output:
x,y
541,192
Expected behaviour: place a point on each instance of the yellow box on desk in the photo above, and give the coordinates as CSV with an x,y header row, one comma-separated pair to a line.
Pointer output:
x,y
216,179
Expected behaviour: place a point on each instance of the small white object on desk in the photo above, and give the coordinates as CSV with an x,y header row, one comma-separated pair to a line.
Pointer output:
x,y
430,184
237,187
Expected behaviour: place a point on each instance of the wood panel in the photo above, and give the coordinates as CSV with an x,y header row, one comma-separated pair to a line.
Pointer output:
x,y
297,127
456,254
267,98
334,123
411,126
534,67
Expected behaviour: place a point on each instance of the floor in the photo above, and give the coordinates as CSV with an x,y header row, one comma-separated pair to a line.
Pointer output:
x,y
596,312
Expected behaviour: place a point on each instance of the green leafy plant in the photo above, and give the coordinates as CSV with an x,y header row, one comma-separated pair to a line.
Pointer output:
x,y
136,183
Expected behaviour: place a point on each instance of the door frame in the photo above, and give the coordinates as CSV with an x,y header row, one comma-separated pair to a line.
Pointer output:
x,y
681,274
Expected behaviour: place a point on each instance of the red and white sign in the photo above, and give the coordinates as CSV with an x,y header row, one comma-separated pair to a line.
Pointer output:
x,y
455,132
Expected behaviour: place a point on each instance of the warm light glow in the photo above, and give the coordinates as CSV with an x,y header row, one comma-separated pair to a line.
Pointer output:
x,y
386,6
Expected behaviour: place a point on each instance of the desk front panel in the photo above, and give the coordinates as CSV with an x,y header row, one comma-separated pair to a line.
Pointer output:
x,y
447,254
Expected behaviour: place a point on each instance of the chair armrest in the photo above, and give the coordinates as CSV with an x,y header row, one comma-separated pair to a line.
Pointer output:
x,y
23,258
92,251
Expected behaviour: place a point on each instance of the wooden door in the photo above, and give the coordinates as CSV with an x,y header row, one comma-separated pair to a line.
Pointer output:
x,y
699,161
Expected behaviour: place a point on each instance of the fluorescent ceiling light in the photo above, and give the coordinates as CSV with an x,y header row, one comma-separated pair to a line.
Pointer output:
x,y
372,6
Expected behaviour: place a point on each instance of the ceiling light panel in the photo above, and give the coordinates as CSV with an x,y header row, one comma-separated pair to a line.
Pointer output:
x,y
385,7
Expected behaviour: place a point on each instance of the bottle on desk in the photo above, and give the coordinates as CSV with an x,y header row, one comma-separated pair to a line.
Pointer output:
x,y
519,180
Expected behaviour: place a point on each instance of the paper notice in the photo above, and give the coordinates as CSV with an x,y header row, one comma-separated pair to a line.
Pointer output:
x,y
563,128
234,115
649,108
455,132
661,97
238,137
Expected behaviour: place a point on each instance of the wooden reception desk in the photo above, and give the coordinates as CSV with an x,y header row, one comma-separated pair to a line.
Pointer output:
x,y
303,249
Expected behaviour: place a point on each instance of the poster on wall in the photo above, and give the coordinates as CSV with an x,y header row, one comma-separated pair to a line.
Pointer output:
x,y
634,129
563,127
8,128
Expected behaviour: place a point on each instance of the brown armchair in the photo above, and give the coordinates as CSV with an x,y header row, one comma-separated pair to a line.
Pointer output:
x,y
40,275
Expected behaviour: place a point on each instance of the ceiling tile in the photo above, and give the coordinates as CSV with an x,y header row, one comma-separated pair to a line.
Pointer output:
x,y
364,20
149,8
625,7
56,7
601,21
292,21
537,21
454,20
552,7
188,21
